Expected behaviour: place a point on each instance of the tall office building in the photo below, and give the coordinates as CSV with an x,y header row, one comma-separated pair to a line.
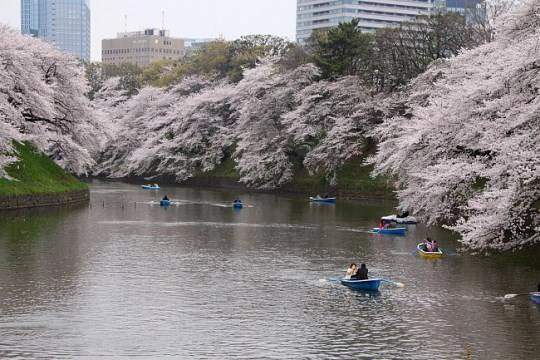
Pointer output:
x,y
373,14
63,23
141,47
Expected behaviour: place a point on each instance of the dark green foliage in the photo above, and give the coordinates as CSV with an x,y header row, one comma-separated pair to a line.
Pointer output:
x,y
94,75
343,50
392,56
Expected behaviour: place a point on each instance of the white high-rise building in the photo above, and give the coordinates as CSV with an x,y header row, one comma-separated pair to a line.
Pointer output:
x,y
373,14
63,23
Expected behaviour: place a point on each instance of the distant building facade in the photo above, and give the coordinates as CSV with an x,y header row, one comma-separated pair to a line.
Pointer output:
x,y
141,47
63,23
373,14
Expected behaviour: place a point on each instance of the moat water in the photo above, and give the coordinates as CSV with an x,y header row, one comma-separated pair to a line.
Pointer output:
x,y
123,277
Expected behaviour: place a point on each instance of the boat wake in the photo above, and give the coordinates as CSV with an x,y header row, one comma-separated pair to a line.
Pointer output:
x,y
208,223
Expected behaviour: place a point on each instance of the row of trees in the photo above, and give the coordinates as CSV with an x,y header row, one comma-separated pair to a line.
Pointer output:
x,y
464,150
390,57
216,60
384,60
269,122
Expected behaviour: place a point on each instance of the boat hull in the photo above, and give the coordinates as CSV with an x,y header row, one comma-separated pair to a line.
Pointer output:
x,y
428,255
390,231
535,297
164,202
409,220
238,205
323,200
365,285
147,187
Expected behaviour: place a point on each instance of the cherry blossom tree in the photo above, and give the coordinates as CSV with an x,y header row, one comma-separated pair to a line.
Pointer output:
x,y
266,122
464,144
42,101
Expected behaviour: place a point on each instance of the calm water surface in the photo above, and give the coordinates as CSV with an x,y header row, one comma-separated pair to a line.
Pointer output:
x,y
123,277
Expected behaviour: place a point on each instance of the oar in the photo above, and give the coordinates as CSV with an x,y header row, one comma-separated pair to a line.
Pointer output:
x,y
396,283
511,296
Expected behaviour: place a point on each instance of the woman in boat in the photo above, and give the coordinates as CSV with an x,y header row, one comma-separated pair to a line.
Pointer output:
x,y
237,201
428,245
165,198
361,274
351,271
434,246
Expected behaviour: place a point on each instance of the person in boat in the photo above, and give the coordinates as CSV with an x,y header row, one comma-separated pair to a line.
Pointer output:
x,y
165,198
237,201
361,273
383,225
351,271
403,214
428,245
434,246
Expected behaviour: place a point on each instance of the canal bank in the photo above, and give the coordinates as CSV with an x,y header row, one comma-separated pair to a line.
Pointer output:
x,y
34,180
40,200
353,182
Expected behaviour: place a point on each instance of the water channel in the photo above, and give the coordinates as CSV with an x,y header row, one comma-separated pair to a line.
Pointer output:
x,y
123,277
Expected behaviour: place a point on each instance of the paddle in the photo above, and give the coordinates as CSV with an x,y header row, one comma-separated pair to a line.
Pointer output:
x,y
511,296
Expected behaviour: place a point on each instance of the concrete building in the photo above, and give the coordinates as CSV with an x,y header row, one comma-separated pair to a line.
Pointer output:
x,y
373,14
141,47
63,23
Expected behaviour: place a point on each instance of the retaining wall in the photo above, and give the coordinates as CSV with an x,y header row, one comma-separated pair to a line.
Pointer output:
x,y
38,200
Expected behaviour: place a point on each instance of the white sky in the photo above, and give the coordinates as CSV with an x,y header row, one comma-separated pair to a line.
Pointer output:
x,y
184,18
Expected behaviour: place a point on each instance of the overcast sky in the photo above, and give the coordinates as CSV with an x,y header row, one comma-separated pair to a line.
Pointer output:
x,y
184,18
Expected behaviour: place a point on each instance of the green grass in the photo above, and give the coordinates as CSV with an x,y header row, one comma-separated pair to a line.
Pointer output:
x,y
35,173
352,178
355,177
224,170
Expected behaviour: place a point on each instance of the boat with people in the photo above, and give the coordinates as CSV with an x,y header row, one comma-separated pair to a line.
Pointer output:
x,y
324,199
423,251
165,202
535,297
390,230
238,204
366,285
151,187
399,219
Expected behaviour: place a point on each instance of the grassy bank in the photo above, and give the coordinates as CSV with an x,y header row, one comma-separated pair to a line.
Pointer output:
x,y
35,173
353,180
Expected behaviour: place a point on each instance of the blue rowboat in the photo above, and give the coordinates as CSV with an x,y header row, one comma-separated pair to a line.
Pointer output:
x,y
535,297
366,285
165,202
150,187
330,200
238,205
390,231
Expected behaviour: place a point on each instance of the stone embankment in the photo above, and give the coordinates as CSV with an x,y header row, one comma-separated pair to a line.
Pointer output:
x,y
11,202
